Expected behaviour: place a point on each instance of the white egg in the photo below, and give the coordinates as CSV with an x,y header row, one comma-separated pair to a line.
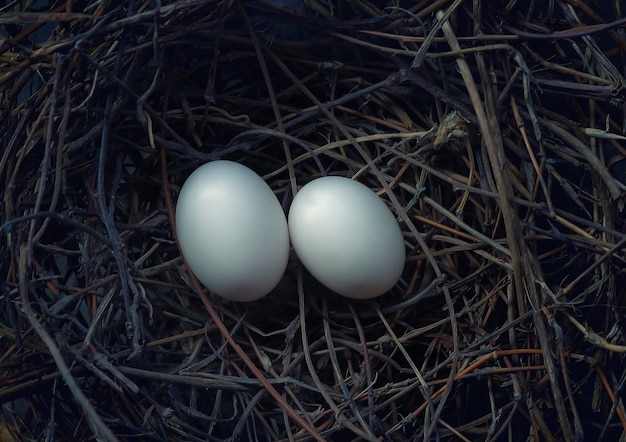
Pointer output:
x,y
346,237
232,231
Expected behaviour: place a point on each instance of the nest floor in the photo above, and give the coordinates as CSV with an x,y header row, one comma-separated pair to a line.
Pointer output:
x,y
494,132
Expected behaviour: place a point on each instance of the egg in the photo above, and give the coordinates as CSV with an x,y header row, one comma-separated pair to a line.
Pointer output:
x,y
232,231
346,237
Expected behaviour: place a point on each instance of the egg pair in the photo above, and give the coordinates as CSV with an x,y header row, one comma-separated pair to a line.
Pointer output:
x,y
235,238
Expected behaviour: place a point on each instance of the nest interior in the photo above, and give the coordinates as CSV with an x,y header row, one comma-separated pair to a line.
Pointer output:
x,y
494,131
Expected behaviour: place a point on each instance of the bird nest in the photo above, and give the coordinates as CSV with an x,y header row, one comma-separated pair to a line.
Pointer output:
x,y
493,131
